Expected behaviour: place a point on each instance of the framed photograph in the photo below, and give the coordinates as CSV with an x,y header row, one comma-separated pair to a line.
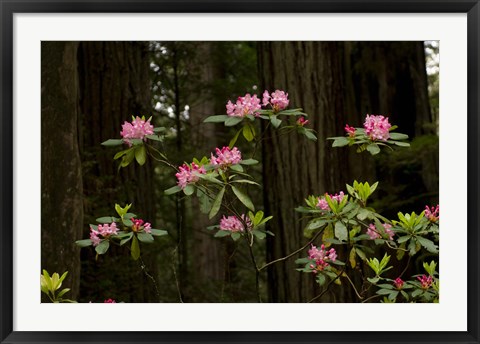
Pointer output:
x,y
214,171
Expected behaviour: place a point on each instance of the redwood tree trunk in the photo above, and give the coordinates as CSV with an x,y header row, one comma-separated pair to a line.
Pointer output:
x,y
335,83
61,178
114,86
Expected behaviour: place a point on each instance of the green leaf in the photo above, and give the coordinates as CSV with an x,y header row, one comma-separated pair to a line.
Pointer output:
x,y
275,121
258,217
398,136
222,233
248,132
121,153
231,121
135,248
83,243
127,158
106,219
216,204
353,261
384,291
236,236
127,222
249,162
341,232
340,142
145,237
102,247
126,239
243,198
154,138
141,155
63,292
417,292
321,279
234,139
112,142
237,168
373,148
360,253
403,239
259,234
310,135
205,203
189,190
373,280
428,244
316,223
158,232
363,214
216,119
401,144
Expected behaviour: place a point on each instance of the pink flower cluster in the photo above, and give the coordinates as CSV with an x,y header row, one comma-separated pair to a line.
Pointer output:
x,y
323,204
398,283
138,129
247,105
102,230
139,224
301,121
425,281
109,301
350,130
374,233
234,224
321,256
432,213
377,127
278,100
189,174
226,157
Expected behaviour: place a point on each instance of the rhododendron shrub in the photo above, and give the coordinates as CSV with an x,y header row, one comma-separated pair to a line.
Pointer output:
x,y
136,135
343,232
119,231
376,132
272,108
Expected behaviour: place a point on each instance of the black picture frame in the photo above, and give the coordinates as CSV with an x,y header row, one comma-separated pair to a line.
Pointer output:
x,y
10,7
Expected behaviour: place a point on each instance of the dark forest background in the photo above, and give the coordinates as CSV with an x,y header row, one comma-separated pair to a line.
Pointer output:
x,y
90,88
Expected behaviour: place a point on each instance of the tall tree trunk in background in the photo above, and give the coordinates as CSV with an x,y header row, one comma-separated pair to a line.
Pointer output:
x,y
335,83
293,166
61,179
209,251
114,85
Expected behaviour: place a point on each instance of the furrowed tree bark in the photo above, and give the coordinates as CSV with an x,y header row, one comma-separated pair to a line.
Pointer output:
x,y
293,166
61,178
114,86
335,83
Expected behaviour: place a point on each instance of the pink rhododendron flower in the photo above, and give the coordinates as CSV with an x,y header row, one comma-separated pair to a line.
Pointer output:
x,y
302,121
226,157
350,130
374,233
247,105
432,213
323,204
321,256
138,129
398,283
189,174
139,224
104,230
425,281
278,100
109,301
377,127
234,224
